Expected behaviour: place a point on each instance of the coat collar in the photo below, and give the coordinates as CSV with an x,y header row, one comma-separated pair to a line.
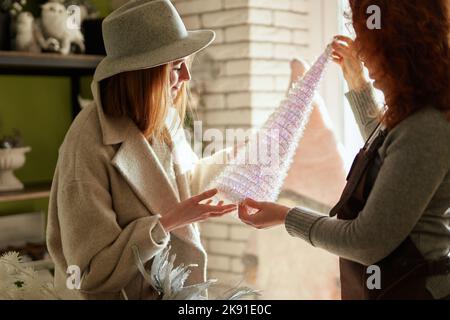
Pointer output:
x,y
140,167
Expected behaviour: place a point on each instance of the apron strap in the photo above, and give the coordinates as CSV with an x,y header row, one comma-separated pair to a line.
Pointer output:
x,y
359,168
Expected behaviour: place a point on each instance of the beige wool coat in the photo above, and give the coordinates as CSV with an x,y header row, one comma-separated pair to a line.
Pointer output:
x,y
109,191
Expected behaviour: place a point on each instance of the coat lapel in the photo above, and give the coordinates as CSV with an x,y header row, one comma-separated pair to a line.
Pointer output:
x,y
138,164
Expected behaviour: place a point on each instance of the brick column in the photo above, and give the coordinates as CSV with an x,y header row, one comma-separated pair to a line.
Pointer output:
x,y
255,41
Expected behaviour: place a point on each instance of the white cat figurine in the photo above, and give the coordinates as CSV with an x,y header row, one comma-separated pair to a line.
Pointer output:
x,y
53,24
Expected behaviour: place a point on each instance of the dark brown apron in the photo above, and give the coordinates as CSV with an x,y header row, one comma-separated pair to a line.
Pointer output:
x,y
404,271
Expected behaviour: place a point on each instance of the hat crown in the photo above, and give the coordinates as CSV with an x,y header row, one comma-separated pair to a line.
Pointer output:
x,y
142,26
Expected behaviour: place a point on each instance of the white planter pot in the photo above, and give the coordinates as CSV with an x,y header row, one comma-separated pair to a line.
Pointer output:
x,y
10,160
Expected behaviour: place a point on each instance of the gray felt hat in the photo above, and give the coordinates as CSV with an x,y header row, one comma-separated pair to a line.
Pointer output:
x,y
144,34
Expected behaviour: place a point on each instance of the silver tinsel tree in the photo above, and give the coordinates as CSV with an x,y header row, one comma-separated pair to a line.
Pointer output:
x,y
169,281
259,169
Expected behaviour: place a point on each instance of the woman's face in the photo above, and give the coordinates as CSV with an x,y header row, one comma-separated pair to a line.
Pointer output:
x,y
376,73
179,73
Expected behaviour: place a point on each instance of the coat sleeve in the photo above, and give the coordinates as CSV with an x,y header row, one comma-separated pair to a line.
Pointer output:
x,y
93,240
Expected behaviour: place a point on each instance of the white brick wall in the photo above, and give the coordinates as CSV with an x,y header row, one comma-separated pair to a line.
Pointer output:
x,y
225,18
287,51
255,40
227,247
215,230
290,20
219,263
270,4
215,101
240,232
197,6
237,265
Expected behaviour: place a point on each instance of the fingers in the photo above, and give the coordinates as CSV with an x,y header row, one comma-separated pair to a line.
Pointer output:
x,y
203,196
254,204
214,212
208,209
339,60
345,39
210,201
341,50
243,212
221,213
246,217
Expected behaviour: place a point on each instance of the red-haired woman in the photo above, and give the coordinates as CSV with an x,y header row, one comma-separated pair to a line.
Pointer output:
x,y
394,213
125,172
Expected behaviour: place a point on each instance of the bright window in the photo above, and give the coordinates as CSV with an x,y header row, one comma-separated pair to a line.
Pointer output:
x,y
341,114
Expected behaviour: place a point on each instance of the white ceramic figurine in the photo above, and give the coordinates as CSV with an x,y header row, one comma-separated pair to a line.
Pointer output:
x,y
53,25
25,39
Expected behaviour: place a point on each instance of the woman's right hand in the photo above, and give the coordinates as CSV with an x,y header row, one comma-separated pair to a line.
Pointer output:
x,y
191,211
344,54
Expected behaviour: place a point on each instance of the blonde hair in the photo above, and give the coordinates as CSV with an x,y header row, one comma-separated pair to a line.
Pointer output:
x,y
144,97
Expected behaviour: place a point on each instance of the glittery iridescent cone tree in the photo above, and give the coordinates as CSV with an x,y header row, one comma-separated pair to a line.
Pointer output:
x,y
259,170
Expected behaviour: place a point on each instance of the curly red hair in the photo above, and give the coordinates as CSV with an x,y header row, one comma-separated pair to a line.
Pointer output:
x,y
412,49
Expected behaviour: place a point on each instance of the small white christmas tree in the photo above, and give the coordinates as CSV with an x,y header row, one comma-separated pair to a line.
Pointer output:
x,y
274,146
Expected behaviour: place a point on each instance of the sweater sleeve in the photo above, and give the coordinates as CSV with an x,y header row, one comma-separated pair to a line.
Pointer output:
x,y
92,239
416,163
299,222
365,109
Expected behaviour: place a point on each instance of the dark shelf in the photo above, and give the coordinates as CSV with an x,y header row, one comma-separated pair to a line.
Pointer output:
x,y
26,63
32,191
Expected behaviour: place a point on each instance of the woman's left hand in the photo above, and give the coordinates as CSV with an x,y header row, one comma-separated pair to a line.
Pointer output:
x,y
269,214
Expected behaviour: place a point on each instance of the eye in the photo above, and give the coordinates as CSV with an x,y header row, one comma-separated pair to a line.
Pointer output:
x,y
177,68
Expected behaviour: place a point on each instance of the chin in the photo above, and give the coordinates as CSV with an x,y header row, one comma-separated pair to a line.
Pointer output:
x,y
376,84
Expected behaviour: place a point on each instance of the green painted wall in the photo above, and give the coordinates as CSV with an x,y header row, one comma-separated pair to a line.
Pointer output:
x,y
40,107
103,6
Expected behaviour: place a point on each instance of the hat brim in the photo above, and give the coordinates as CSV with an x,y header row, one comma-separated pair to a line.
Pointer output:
x,y
194,42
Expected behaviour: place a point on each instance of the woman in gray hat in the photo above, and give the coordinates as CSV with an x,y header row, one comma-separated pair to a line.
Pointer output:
x,y
126,174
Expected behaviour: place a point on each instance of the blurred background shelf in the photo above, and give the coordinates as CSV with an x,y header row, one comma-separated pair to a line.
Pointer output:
x,y
32,191
26,63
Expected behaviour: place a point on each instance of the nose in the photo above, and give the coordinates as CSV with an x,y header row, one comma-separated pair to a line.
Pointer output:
x,y
185,74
